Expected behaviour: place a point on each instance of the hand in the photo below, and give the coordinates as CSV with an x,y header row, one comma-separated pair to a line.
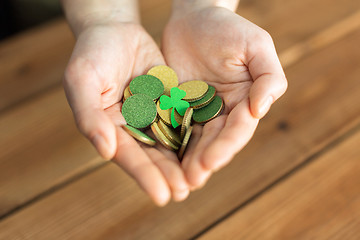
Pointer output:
x,y
106,57
239,59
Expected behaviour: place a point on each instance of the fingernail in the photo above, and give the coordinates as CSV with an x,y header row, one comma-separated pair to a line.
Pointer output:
x,y
181,195
101,146
201,182
264,108
163,199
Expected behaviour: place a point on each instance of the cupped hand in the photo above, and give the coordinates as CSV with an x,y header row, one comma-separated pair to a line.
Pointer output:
x,y
106,57
239,59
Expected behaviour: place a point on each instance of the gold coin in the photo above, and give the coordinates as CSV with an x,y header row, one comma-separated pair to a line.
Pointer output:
x,y
169,133
195,89
165,115
166,75
127,93
139,135
162,138
202,102
186,122
185,143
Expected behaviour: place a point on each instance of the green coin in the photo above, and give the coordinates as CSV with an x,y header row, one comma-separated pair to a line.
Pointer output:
x,y
139,135
139,111
202,102
148,85
209,112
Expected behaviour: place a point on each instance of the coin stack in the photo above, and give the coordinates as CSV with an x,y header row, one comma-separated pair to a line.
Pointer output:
x,y
157,100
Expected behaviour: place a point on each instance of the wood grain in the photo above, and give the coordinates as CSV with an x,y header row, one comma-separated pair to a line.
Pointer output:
x,y
33,61
37,58
320,40
105,204
40,148
36,161
321,201
291,22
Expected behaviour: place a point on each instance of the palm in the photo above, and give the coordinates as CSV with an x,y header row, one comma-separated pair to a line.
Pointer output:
x,y
113,52
211,45
214,53
107,58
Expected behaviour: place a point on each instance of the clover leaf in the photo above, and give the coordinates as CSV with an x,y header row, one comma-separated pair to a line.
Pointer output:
x,y
174,102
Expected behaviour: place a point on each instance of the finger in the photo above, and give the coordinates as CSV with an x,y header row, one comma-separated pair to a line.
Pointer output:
x,y
196,173
172,173
115,115
269,78
193,142
170,155
131,157
190,150
238,130
84,96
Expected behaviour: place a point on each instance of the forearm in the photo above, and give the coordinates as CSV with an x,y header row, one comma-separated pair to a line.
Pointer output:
x,y
190,5
84,13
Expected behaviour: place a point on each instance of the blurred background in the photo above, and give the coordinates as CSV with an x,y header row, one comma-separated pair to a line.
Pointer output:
x,y
18,15
298,178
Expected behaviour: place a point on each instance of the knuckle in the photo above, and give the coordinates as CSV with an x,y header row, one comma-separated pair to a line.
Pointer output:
x,y
263,38
78,70
283,85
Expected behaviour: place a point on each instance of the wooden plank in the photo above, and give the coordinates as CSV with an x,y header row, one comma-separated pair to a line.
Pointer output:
x,y
21,184
321,201
290,22
33,61
321,39
31,176
106,204
40,147
37,58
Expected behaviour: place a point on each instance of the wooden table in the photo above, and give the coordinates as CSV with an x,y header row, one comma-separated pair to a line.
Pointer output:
x,y
298,178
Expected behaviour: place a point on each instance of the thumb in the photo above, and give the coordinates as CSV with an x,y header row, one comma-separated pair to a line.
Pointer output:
x,y
83,91
269,78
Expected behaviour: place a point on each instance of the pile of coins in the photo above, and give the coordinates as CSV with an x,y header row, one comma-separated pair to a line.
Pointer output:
x,y
157,100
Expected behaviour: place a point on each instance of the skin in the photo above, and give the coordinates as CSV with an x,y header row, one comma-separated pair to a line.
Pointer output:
x,y
236,57
105,59
201,41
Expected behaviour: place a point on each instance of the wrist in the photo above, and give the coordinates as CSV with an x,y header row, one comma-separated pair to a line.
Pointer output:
x,y
181,7
83,14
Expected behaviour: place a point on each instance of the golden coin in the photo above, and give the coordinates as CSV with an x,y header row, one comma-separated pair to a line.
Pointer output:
x,y
162,138
127,93
205,100
195,89
165,115
166,75
185,143
169,133
186,122
139,135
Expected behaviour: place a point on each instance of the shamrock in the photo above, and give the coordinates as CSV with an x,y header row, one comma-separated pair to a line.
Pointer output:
x,y
174,102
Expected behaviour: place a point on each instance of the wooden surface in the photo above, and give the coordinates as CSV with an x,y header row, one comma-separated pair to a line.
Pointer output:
x,y
320,201
53,185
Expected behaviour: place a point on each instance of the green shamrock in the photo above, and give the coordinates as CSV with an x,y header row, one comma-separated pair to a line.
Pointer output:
x,y
174,102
